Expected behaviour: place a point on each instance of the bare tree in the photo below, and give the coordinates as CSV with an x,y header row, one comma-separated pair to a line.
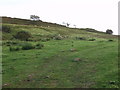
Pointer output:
x,y
67,24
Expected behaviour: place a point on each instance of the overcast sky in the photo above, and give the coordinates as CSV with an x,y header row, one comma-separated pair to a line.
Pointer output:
x,y
97,14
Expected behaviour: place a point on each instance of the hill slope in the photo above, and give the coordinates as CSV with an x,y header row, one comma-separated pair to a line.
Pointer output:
x,y
58,57
40,28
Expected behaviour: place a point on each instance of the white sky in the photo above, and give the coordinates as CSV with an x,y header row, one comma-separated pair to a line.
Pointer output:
x,y
96,14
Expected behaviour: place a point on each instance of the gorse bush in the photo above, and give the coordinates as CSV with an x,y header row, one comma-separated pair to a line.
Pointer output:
x,y
27,46
6,29
23,35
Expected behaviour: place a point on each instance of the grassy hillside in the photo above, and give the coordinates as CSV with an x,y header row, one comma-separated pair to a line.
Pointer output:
x,y
81,58
44,28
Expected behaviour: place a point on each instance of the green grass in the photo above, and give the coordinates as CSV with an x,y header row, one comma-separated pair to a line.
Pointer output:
x,y
38,32
51,68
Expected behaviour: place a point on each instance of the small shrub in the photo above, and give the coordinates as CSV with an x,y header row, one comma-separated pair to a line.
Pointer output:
x,y
39,46
14,48
22,35
80,38
8,45
110,40
92,39
108,31
27,46
6,29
